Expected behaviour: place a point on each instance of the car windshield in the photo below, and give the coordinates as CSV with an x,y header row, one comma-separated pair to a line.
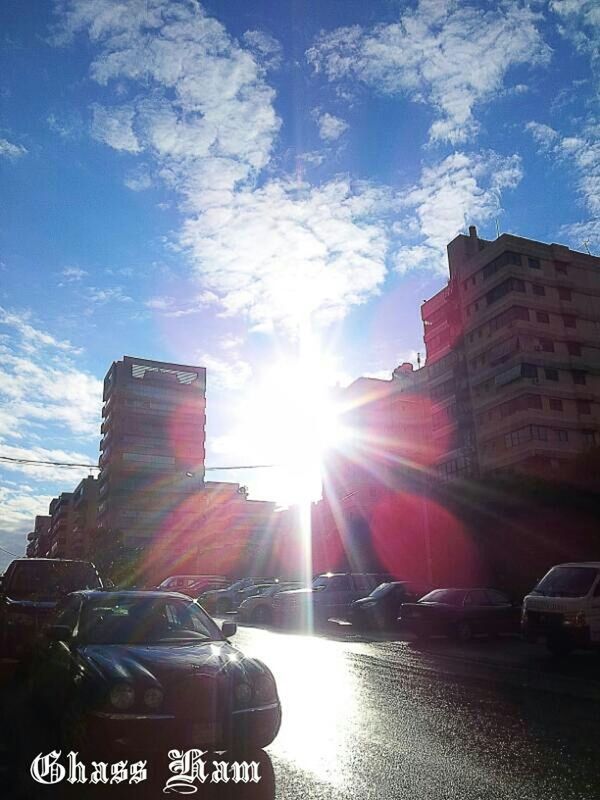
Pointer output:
x,y
135,620
381,590
450,597
567,582
49,579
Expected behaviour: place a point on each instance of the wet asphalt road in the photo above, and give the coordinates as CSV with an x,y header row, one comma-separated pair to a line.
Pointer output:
x,y
384,720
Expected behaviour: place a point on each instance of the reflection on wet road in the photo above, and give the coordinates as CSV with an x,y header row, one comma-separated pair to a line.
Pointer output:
x,y
379,721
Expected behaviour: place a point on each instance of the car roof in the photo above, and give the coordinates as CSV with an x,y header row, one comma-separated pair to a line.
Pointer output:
x,y
95,593
53,560
595,564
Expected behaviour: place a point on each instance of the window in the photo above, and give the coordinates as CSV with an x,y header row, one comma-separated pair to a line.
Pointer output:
x,y
537,289
584,407
551,374
589,438
560,267
569,321
578,377
541,316
547,345
529,371
510,285
564,294
556,404
497,598
562,436
526,434
506,258
533,263
574,348
522,403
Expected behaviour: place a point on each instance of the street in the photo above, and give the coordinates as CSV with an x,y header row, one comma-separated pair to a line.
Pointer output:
x,y
383,720
387,719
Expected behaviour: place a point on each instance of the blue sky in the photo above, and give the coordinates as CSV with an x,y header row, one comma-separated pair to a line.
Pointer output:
x,y
200,182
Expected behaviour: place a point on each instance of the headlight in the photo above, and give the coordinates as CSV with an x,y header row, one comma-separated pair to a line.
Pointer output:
x,y
265,690
577,620
153,697
242,694
122,696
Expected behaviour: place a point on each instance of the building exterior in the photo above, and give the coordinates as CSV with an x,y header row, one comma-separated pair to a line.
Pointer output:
x,y
38,539
60,537
85,511
152,450
513,356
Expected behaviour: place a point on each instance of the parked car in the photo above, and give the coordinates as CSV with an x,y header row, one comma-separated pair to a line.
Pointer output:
x,y
330,595
381,608
29,593
150,669
177,583
258,607
461,613
220,601
564,608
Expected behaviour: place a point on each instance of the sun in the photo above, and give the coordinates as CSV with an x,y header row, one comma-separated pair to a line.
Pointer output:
x,y
292,420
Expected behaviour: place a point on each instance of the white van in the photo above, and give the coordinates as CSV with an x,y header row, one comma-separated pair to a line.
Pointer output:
x,y
564,608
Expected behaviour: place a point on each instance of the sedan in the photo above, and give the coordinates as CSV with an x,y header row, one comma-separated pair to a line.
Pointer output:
x,y
258,607
461,613
151,669
380,609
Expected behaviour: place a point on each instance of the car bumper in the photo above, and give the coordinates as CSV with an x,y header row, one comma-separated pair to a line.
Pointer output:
x,y
577,636
252,727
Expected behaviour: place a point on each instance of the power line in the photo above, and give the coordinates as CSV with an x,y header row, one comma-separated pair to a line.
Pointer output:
x,y
4,550
36,462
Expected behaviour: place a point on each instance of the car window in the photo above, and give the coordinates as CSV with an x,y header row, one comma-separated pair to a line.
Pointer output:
x,y
452,597
47,579
67,612
340,583
364,582
597,590
497,598
115,619
477,597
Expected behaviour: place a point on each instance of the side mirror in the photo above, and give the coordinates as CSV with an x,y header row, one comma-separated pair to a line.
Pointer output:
x,y
228,629
59,633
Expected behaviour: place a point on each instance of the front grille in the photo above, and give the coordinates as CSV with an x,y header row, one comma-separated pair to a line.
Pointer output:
x,y
197,698
543,619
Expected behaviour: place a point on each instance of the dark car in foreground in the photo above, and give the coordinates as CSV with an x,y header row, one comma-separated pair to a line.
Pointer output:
x,y
151,670
380,609
460,613
29,593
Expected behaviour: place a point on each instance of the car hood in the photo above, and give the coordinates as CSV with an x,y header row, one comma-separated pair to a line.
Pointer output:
x,y
164,663
364,601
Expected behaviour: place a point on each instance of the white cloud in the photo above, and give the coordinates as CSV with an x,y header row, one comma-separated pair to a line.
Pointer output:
x,y
322,250
114,127
232,372
583,152
266,48
113,294
10,150
453,56
39,386
138,180
330,127
73,274
460,190
581,23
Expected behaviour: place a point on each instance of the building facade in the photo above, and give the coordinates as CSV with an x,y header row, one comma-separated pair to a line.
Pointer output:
x,y
513,356
38,539
85,512
60,537
152,449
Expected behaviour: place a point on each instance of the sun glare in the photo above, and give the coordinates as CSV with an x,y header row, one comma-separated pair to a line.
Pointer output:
x,y
290,417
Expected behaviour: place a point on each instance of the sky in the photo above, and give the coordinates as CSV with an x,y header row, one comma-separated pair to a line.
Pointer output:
x,y
205,183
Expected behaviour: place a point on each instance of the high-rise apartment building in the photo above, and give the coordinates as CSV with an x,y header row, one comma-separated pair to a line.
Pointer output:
x,y
513,356
152,449
61,525
85,511
37,540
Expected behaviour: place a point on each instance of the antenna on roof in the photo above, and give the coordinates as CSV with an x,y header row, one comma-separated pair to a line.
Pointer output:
x,y
586,244
419,360
497,229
